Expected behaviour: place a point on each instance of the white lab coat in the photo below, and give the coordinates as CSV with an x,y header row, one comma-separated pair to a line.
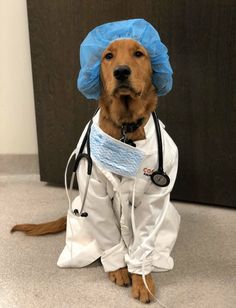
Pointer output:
x,y
131,221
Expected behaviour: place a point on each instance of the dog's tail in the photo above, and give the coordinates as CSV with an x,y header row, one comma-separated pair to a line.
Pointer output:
x,y
55,226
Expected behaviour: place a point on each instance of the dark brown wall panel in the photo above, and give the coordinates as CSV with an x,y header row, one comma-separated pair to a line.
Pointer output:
x,y
199,113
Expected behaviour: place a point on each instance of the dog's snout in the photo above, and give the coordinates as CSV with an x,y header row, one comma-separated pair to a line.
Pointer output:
x,y
122,72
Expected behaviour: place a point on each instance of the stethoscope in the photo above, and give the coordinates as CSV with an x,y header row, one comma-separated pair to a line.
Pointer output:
x,y
158,177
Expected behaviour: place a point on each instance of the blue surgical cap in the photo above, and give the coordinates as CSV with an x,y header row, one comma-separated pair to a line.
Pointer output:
x,y
102,36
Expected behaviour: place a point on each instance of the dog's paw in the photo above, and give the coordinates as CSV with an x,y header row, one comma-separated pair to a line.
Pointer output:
x,y
139,291
120,277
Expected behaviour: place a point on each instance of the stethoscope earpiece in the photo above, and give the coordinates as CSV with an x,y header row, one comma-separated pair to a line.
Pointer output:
x,y
160,178
76,213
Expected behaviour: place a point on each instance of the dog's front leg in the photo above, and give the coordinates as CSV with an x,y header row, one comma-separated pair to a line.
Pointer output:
x,y
120,277
139,291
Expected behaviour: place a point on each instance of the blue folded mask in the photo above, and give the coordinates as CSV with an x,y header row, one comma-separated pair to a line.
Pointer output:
x,y
102,36
114,155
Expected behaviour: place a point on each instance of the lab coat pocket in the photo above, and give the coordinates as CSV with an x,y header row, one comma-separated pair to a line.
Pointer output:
x,y
81,248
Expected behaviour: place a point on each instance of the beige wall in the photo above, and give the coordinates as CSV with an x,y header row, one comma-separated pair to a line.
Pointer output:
x,y
17,115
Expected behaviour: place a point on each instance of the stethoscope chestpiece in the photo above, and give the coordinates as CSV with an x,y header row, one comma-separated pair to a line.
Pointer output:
x,y
160,178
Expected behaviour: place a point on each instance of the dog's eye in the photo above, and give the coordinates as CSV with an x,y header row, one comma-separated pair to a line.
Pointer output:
x,y
138,54
109,56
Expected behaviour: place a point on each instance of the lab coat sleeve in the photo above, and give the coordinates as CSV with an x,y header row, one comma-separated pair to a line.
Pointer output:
x,y
104,226
150,218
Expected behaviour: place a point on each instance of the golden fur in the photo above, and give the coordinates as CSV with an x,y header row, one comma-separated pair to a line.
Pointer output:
x,y
120,102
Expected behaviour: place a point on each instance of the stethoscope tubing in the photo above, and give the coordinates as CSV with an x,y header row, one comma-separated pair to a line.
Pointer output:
x,y
159,177
159,142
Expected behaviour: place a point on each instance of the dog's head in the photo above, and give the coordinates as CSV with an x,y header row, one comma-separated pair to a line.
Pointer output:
x,y
126,69
126,76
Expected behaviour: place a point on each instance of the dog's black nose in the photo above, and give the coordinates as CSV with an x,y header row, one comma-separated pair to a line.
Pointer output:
x,y
122,72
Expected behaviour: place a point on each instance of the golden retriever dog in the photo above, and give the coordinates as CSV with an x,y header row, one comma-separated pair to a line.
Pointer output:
x,y
127,95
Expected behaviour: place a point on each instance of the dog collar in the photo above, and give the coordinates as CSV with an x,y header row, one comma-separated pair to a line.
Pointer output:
x,y
130,128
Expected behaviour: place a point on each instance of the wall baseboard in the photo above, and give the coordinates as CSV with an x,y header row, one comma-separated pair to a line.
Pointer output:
x,y
19,164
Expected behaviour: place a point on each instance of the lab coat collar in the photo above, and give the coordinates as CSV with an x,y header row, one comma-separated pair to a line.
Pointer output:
x,y
149,128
